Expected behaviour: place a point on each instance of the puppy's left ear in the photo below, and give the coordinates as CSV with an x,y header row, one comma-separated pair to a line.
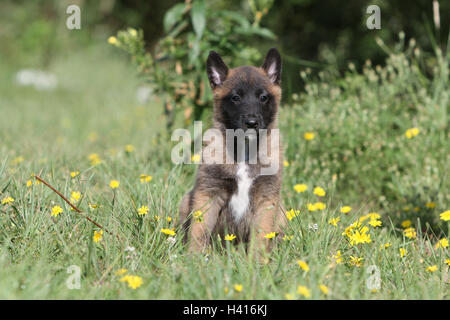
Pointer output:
x,y
272,66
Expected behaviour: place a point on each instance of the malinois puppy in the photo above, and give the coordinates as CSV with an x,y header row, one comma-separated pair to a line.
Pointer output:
x,y
236,197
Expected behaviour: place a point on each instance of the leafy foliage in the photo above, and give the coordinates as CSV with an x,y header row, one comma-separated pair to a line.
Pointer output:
x,y
363,147
176,68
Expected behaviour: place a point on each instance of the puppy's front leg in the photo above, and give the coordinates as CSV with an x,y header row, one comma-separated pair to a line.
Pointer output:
x,y
201,227
265,222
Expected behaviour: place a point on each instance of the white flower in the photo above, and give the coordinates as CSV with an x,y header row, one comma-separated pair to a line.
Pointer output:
x,y
172,257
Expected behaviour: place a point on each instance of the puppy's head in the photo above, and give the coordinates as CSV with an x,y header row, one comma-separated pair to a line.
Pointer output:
x,y
246,97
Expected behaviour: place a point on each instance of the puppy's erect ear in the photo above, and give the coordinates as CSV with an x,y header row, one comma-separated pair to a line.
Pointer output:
x,y
272,66
216,69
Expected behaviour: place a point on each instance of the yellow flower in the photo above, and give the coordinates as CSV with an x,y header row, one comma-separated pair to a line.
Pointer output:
x,y
238,287
56,210
292,214
360,236
7,200
133,281
121,272
287,238
406,223
311,207
349,230
447,261
145,178
430,205
29,183
403,252
198,216
142,210
94,158
346,209
386,245
363,218
409,233
334,221
355,261
338,257
309,136
411,133
169,219
431,268
285,163
443,243
169,232
98,235
73,174
129,148
289,296
75,196
319,191
304,291
195,158
93,206
300,188
113,40
302,264
18,160
319,206
445,215
270,235
230,237
114,184
375,223
324,289
373,215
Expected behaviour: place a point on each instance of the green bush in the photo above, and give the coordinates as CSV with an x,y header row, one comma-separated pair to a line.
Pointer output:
x,y
362,145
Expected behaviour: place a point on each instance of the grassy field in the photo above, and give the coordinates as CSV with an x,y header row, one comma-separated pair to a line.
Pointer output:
x,y
362,153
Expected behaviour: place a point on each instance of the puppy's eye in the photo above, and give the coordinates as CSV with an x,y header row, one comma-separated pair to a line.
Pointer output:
x,y
235,98
263,98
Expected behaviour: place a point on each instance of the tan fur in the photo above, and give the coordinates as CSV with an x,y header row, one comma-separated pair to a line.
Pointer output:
x,y
215,185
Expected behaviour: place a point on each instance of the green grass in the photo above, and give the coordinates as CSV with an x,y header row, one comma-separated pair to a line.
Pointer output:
x,y
359,155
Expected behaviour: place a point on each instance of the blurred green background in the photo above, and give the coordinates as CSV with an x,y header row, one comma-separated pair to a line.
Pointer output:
x,y
319,34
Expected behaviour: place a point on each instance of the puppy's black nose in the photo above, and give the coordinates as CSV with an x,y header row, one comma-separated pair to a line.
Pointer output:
x,y
251,123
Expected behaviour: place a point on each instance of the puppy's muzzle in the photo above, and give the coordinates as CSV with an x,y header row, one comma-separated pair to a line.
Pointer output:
x,y
252,121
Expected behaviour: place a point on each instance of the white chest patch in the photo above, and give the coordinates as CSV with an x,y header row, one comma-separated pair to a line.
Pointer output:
x,y
241,199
